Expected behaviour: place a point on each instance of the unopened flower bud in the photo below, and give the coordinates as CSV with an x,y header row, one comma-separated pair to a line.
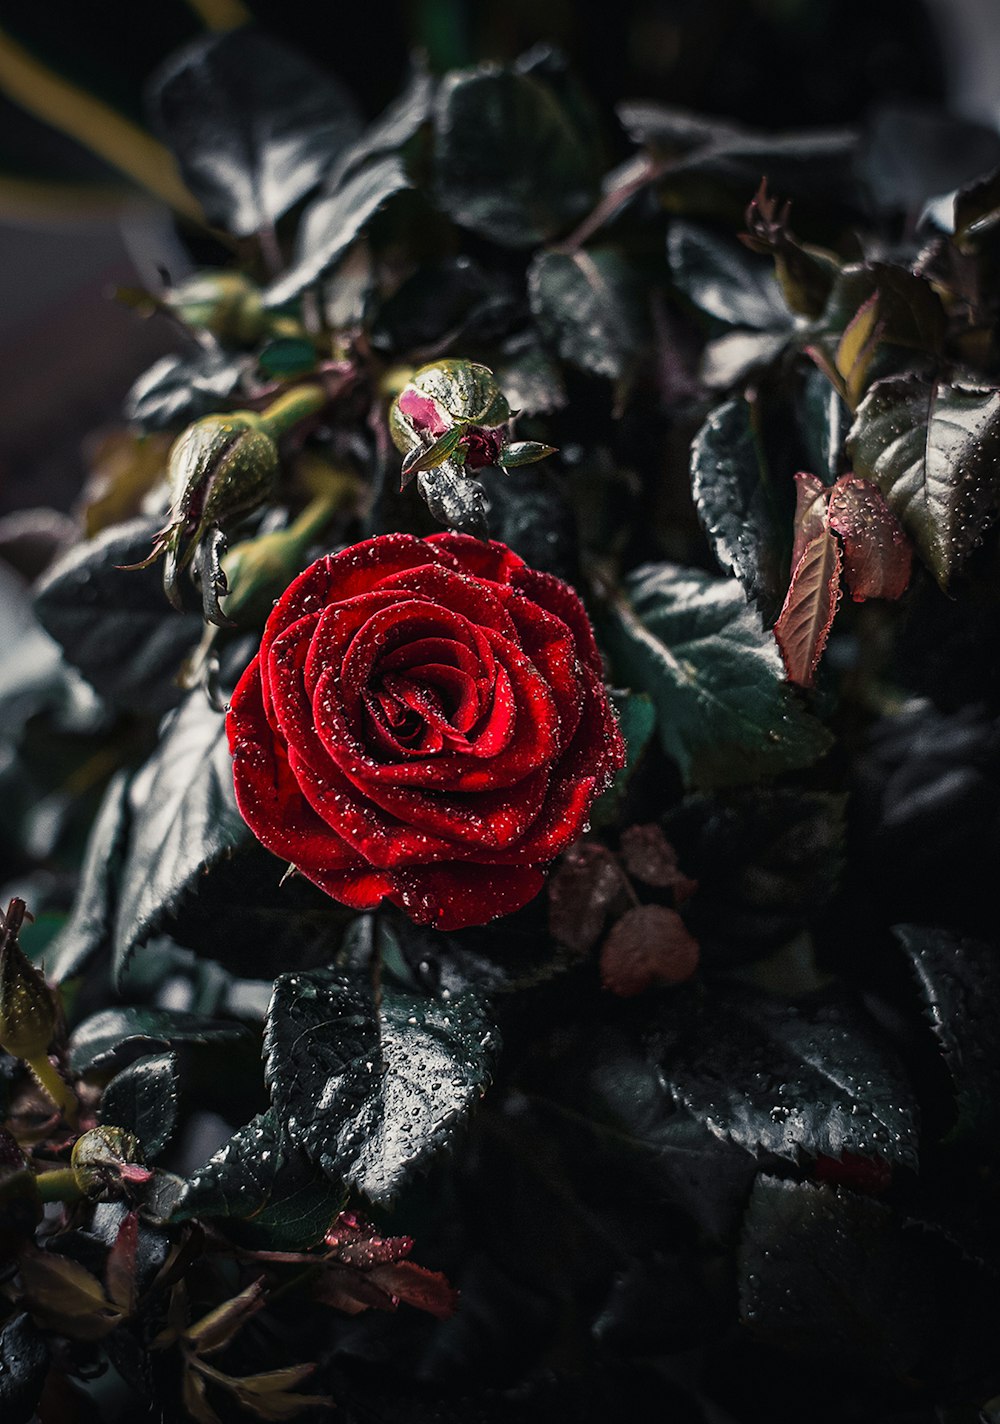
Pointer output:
x,y
227,304
106,1160
27,1008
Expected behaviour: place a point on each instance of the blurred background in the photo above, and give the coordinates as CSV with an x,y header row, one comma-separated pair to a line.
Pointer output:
x,y
72,226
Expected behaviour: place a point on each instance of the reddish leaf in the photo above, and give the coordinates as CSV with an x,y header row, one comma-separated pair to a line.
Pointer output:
x,y
370,1272
356,1243
648,945
119,1269
803,624
811,496
581,891
423,1289
878,555
648,856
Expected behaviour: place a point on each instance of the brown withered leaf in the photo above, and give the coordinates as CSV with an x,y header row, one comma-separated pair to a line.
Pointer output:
x,y
649,857
582,889
649,945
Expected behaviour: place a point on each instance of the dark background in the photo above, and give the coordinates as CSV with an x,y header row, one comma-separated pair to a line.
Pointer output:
x,y
70,231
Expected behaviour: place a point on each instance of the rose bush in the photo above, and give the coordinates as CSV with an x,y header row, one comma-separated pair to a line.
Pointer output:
x,y
426,723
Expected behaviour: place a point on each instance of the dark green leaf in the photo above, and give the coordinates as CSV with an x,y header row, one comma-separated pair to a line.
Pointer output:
x,y
959,980
723,280
589,305
267,1185
88,928
179,389
447,305
24,1363
455,499
529,378
183,817
746,518
727,360
372,1095
254,125
823,420
530,513
829,1273
94,1043
715,676
807,1078
288,356
142,1099
767,862
394,128
334,220
933,450
114,624
510,163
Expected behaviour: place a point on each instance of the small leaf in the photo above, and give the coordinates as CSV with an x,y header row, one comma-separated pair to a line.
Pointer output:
x,y
741,509
183,818
805,620
856,350
372,1094
648,945
810,1077
142,1099
589,306
177,390
114,625
334,220
254,125
287,356
509,163
63,1296
649,857
811,496
932,450
714,674
428,457
582,888
524,452
723,280
94,1043
878,556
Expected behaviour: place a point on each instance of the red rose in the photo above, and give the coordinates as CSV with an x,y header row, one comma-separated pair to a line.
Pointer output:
x,y
425,722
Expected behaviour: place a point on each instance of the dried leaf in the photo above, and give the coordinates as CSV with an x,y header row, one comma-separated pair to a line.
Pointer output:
x,y
648,945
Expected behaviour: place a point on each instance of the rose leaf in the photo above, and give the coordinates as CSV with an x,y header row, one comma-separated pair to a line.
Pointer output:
x,y
806,617
589,305
94,1043
791,1079
649,945
725,281
142,1099
878,556
254,125
714,674
179,389
371,1094
932,449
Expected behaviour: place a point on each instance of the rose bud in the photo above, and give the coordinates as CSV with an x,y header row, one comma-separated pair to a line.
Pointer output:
x,y
454,411
227,304
106,1160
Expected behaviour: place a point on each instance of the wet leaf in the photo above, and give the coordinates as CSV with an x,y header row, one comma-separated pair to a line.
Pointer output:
x,y
584,885
142,1099
806,617
829,1274
529,378
114,624
510,163
791,1079
723,280
254,125
183,817
88,929
455,499
714,675
260,1182
742,510
179,389
334,220
94,1043
372,1094
394,127
648,945
932,449
877,554
589,306
959,979
24,1362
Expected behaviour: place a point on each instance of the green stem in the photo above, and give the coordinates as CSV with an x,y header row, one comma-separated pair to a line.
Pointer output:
x,y
55,1086
291,407
58,1185
315,517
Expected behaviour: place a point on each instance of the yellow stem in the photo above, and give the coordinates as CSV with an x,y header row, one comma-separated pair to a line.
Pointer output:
x,y
58,1185
51,1082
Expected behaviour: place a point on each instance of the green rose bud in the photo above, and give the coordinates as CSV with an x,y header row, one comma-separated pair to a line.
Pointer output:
x,y
227,304
106,1160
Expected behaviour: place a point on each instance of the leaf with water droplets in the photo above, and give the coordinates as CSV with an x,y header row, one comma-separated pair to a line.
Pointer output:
x,y
95,1042
793,1079
877,554
372,1093
959,980
741,509
934,452
806,617
725,714
264,1187
590,306
142,1099
831,1274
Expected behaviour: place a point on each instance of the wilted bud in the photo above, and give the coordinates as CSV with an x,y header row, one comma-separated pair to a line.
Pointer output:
x,y
27,1008
106,1160
227,304
453,413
